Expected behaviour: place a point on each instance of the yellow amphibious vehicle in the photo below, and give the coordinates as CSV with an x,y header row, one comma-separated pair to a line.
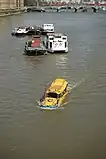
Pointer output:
x,y
55,95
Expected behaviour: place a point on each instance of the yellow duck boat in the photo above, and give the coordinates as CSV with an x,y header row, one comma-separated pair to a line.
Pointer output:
x,y
55,95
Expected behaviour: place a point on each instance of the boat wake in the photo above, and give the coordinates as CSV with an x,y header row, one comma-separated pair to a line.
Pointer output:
x,y
71,87
76,84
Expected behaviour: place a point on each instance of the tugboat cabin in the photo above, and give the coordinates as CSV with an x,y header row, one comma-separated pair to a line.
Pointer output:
x,y
48,27
34,42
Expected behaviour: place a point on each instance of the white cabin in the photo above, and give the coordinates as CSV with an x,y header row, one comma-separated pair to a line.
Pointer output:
x,y
21,30
56,42
48,28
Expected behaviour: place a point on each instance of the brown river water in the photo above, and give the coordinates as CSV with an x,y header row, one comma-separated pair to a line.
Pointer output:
x,y
78,131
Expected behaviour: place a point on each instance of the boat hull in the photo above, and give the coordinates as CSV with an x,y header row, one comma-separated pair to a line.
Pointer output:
x,y
18,34
35,52
57,52
63,101
40,106
48,108
46,32
30,32
34,32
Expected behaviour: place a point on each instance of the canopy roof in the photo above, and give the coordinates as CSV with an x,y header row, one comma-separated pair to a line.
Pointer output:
x,y
58,86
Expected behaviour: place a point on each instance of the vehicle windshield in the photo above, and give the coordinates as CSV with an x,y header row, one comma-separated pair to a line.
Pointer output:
x,y
52,95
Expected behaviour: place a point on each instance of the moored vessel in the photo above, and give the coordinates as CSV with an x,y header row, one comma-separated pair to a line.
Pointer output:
x,y
47,28
35,46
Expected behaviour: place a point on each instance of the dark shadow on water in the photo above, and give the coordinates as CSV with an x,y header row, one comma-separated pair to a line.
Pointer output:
x,y
34,60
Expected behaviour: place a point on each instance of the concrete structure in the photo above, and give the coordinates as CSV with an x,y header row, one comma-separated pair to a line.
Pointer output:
x,y
32,2
4,4
11,4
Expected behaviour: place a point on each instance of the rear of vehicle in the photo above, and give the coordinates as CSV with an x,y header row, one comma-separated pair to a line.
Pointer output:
x,y
50,101
58,44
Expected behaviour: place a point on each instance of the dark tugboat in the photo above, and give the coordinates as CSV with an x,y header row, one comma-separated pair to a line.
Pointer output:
x,y
47,28
34,30
35,47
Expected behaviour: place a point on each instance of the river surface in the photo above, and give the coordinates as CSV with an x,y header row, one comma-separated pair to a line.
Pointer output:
x,y
78,131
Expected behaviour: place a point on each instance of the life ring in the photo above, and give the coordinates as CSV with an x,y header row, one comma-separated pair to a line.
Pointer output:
x,y
50,100
56,44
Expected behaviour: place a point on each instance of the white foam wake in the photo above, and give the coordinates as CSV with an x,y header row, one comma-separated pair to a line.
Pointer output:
x,y
76,84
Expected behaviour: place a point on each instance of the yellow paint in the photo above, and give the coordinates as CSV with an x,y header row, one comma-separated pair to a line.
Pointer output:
x,y
60,88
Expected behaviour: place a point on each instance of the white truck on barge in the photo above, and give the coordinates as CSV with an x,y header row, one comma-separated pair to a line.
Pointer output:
x,y
56,42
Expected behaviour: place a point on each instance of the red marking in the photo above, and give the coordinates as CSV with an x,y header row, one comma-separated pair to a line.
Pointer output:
x,y
36,42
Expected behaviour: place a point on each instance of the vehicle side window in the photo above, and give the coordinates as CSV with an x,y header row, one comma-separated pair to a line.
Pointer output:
x,y
65,89
62,94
